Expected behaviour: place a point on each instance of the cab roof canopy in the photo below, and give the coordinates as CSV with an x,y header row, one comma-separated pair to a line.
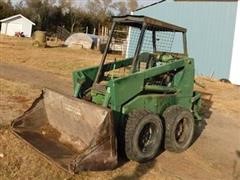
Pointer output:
x,y
152,24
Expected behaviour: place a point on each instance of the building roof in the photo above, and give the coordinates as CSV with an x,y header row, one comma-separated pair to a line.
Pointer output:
x,y
16,17
137,21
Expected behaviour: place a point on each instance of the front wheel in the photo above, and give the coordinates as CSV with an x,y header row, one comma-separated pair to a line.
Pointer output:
x,y
143,136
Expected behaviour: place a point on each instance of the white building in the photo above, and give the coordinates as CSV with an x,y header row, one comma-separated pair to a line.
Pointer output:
x,y
235,63
16,23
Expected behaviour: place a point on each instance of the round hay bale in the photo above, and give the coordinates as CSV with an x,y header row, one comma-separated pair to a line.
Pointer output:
x,y
39,39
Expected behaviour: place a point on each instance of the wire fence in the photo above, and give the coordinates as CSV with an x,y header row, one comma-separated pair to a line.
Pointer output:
x,y
164,41
62,33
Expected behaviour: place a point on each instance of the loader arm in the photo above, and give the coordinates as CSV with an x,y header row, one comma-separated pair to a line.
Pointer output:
x,y
83,79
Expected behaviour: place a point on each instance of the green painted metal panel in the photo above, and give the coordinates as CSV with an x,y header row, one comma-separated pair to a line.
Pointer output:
x,y
123,89
210,31
155,103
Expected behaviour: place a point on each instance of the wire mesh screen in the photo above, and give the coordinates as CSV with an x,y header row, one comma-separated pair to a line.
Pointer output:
x,y
118,39
164,41
133,37
117,51
118,45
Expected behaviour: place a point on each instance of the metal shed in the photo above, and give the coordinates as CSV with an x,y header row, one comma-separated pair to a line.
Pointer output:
x,y
16,23
213,31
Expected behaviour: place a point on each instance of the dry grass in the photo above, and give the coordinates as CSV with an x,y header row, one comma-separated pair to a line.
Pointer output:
x,y
22,162
18,158
58,60
14,99
224,97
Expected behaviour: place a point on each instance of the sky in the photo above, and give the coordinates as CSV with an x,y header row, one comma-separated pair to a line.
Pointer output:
x,y
81,2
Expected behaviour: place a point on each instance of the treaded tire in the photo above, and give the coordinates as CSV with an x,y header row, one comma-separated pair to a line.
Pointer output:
x,y
143,136
176,117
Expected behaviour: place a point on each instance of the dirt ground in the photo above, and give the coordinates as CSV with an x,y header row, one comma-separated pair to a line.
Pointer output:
x,y
214,154
36,78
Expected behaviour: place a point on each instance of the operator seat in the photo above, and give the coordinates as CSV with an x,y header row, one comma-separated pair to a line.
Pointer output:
x,y
146,60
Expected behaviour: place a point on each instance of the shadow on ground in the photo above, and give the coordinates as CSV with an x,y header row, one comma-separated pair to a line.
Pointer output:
x,y
236,167
139,171
56,46
206,113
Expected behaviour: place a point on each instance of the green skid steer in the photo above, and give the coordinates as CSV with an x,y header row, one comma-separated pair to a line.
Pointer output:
x,y
136,105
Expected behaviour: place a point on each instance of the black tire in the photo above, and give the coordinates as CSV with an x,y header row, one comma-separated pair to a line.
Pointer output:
x,y
179,128
143,136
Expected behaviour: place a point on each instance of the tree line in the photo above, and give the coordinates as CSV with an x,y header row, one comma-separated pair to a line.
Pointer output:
x,y
48,14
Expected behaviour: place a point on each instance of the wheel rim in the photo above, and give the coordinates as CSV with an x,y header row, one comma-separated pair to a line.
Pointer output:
x,y
147,137
182,131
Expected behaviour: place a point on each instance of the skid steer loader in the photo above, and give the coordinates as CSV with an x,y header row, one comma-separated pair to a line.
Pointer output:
x,y
134,105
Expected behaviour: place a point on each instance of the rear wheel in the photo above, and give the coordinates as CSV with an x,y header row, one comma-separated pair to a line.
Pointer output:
x,y
143,136
179,128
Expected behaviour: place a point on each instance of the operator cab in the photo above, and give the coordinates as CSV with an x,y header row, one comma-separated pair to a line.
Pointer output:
x,y
149,41
149,44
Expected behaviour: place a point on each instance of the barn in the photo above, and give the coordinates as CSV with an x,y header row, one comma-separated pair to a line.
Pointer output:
x,y
16,23
213,32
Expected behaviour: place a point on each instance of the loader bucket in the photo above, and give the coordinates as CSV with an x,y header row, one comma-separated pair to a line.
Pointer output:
x,y
75,134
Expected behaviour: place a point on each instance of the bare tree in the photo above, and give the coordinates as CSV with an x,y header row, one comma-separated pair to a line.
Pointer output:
x,y
132,5
99,8
6,9
70,11
100,11
38,12
48,14
120,7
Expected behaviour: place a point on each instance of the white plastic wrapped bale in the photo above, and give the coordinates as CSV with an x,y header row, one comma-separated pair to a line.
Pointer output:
x,y
79,40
